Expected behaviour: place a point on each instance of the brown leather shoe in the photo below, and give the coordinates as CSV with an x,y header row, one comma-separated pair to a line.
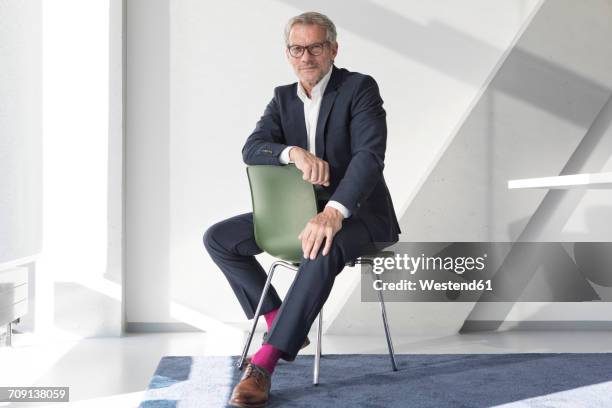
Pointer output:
x,y
253,390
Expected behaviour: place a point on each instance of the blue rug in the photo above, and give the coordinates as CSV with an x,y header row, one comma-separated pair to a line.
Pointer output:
x,y
436,381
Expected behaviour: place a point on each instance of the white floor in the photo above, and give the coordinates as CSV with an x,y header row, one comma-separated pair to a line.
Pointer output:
x,y
114,372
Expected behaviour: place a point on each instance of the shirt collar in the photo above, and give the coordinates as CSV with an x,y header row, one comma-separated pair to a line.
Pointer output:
x,y
318,90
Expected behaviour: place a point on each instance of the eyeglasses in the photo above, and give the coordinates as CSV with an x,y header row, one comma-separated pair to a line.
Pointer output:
x,y
315,49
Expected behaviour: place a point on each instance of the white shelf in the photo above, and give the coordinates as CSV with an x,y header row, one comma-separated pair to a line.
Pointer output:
x,y
570,181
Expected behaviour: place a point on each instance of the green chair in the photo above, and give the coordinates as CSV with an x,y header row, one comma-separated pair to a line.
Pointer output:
x,y
282,205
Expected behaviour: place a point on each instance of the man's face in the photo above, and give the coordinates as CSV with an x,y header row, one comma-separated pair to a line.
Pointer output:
x,y
309,68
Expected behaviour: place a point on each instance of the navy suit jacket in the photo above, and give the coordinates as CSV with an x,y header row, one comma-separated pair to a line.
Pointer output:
x,y
351,136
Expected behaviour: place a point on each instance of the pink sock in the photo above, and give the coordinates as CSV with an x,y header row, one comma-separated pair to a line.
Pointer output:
x,y
270,316
267,357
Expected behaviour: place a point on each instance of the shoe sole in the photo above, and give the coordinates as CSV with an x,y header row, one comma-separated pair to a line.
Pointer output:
x,y
237,404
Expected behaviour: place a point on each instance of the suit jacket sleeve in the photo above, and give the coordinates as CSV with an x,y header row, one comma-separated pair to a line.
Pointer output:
x,y
267,141
368,128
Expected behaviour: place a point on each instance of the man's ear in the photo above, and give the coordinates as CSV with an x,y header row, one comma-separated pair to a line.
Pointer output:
x,y
334,50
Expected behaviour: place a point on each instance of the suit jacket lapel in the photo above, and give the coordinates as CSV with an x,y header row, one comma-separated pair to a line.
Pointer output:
x,y
299,127
326,104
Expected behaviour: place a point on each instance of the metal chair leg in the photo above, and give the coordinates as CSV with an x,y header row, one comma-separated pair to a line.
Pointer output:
x,y
383,311
317,359
240,364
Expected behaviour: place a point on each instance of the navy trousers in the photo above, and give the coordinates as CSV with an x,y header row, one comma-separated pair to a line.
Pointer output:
x,y
231,245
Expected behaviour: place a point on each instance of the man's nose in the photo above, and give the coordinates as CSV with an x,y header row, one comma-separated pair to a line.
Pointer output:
x,y
306,57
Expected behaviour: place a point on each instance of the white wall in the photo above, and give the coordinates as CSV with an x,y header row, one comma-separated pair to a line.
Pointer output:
x,y
116,152
538,117
20,129
80,189
54,82
147,162
21,143
431,60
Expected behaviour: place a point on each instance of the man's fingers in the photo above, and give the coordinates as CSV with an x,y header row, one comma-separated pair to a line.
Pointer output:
x,y
314,173
303,235
315,170
316,245
307,241
328,242
326,176
319,172
322,172
306,170
310,242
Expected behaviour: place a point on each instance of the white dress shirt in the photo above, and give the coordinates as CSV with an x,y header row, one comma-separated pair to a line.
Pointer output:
x,y
312,106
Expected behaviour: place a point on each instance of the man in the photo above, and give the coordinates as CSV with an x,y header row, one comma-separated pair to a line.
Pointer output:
x,y
332,125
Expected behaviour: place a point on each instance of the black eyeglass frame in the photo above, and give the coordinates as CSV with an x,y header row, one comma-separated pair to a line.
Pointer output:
x,y
303,48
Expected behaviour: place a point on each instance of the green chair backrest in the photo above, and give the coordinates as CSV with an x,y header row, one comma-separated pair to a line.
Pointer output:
x,y
282,205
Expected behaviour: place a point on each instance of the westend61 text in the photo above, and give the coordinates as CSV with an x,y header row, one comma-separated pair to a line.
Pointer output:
x,y
431,285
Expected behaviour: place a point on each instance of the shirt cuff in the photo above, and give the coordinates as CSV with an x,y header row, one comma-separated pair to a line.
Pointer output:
x,y
284,156
334,204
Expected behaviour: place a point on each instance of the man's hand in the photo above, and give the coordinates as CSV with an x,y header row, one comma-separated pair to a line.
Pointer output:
x,y
324,225
314,170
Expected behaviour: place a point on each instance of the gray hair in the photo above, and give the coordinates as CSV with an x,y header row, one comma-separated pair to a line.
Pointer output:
x,y
312,17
